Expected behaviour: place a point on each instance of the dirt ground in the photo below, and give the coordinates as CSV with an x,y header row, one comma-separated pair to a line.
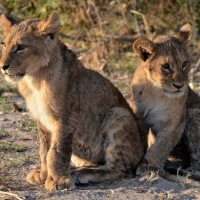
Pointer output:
x,y
19,148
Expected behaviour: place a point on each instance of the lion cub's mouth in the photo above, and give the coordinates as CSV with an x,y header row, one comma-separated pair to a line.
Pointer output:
x,y
14,78
176,94
15,75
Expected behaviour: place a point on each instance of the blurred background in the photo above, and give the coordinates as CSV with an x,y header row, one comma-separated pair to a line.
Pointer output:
x,y
102,32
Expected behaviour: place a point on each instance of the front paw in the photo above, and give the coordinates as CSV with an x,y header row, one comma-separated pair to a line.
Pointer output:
x,y
60,183
148,172
36,177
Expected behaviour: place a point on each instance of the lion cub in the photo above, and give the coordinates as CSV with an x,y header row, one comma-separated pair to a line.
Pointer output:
x,y
159,94
82,118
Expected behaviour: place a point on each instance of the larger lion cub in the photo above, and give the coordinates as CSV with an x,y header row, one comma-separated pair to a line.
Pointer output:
x,y
159,94
82,118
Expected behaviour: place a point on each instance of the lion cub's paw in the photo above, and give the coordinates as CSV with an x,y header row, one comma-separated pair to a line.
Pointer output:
x,y
79,176
36,177
61,183
149,173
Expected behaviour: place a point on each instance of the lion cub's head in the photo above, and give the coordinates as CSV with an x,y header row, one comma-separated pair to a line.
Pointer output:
x,y
166,61
28,45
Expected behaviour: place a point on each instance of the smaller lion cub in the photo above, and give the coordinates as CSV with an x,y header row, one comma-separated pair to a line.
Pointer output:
x,y
159,94
82,118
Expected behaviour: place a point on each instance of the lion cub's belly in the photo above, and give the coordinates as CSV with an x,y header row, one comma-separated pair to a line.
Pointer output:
x,y
39,110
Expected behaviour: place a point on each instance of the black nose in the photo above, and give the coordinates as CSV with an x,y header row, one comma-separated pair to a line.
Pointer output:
x,y
5,67
177,86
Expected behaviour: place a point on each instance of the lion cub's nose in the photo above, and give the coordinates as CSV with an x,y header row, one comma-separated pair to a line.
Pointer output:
x,y
178,86
5,67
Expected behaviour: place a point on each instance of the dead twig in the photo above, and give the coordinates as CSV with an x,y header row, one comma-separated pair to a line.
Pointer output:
x,y
107,39
10,194
123,15
130,39
75,40
138,27
100,23
7,187
145,22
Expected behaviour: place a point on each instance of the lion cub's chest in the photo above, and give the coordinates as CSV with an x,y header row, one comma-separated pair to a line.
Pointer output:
x,y
38,106
39,110
154,112
156,109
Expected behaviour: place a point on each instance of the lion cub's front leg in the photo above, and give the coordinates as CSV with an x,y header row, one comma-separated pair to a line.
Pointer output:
x,y
55,153
35,176
58,158
158,152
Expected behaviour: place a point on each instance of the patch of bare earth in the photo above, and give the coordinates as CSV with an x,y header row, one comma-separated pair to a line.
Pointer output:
x,y
19,153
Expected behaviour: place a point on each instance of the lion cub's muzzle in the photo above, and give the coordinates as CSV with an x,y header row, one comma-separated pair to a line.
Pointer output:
x,y
5,67
11,77
178,86
5,71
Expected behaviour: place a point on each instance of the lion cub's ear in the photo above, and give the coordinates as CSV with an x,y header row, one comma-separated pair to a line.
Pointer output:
x,y
50,25
6,23
144,48
185,33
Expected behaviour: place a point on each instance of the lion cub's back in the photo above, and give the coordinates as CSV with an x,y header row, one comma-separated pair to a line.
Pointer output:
x,y
98,93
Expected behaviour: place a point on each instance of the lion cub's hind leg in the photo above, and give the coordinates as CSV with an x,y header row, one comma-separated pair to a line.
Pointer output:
x,y
122,147
38,177
80,162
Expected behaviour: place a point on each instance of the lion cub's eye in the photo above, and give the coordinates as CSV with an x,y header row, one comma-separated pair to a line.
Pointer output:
x,y
166,67
21,47
185,64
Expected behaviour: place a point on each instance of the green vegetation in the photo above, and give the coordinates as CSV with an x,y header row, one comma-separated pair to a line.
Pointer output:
x,y
4,106
6,178
5,145
26,125
3,133
11,160
5,88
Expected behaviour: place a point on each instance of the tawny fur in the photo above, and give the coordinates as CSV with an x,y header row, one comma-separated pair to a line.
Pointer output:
x,y
159,95
82,118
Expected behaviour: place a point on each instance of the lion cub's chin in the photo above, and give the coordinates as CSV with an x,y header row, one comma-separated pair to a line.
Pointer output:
x,y
174,95
13,79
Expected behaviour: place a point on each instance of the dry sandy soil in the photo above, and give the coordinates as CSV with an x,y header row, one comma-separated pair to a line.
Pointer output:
x,y
19,149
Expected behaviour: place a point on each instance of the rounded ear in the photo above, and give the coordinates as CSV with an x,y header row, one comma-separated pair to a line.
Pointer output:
x,y
144,48
50,25
6,23
185,33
